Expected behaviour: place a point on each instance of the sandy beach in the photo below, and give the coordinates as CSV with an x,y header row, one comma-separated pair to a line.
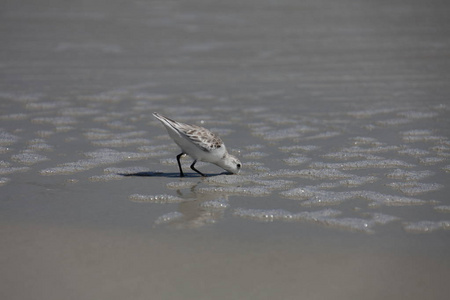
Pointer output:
x,y
338,110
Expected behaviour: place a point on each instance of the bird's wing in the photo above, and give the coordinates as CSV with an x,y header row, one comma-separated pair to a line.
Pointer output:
x,y
202,137
199,136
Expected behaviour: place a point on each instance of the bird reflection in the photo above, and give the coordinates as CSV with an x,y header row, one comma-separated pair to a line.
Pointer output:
x,y
198,209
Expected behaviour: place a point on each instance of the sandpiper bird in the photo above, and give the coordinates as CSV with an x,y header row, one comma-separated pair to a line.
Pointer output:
x,y
201,144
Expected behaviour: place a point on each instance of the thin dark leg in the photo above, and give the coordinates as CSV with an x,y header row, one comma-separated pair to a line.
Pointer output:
x,y
193,168
179,164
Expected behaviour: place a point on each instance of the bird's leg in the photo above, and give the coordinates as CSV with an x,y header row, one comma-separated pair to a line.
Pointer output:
x,y
193,168
179,164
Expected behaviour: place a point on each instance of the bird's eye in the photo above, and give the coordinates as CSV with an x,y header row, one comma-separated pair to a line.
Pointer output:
x,y
238,166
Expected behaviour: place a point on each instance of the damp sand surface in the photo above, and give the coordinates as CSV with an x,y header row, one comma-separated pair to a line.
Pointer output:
x,y
339,112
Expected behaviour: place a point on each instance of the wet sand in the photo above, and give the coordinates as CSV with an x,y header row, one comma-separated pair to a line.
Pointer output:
x,y
339,112
73,262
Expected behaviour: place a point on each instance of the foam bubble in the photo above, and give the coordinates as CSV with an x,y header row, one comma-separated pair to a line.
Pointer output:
x,y
328,185
359,224
103,134
119,125
300,193
369,127
414,136
98,133
14,117
358,181
263,215
310,173
4,149
256,166
441,107
325,217
360,140
414,152
120,142
409,175
178,185
79,111
4,164
228,180
20,97
322,198
431,160
10,170
245,191
314,197
255,155
382,219
169,217
274,184
217,204
295,161
426,226
254,180
378,199
64,128
4,180
46,105
270,215
36,142
411,188
441,150
57,121
443,154
324,135
418,114
126,170
168,161
155,198
375,149
254,147
7,139
442,208
67,169
109,155
269,134
106,177
95,159
113,96
417,132
344,155
294,148
155,149
393,122
29,158
352,224
148,98
364,164
39,145
371,112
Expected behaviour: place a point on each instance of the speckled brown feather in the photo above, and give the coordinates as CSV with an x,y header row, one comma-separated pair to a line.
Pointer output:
x,y
198,135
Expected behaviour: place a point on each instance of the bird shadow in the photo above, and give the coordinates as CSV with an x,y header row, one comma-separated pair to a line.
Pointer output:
x,y
167,174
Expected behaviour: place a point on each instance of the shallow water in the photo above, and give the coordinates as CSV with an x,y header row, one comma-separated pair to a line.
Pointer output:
x,y
338,110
